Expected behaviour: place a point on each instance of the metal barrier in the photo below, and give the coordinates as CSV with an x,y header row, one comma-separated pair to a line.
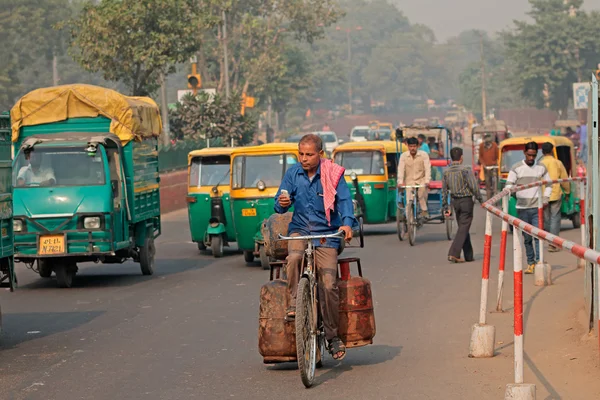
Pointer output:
x,y
482,334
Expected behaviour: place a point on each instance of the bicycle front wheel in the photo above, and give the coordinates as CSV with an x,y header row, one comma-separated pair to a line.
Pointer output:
x,y
306,333
412,224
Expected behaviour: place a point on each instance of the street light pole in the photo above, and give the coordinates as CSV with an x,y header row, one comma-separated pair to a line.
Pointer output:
x,y
483,94
226,58
349,70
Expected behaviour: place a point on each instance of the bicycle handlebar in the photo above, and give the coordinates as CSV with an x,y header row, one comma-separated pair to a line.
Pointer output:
x,y
492,167
412,186
338,234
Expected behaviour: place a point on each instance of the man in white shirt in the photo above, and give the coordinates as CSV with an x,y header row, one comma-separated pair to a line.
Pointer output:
x,y
34,173
414,168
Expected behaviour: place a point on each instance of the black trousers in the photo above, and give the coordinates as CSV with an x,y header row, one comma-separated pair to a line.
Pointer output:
x,y
463,212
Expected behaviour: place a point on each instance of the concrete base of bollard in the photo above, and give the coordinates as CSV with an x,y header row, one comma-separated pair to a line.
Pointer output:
x,y
520,391
543,274
483,338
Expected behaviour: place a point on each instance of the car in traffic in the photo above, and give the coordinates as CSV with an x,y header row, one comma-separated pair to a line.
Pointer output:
x,y
330,140
359,133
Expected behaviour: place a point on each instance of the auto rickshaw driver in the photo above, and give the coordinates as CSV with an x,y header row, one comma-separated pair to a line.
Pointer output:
x,y
34,173
322,205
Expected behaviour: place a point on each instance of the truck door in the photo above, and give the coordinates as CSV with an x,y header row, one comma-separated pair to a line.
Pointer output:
x,y
120,227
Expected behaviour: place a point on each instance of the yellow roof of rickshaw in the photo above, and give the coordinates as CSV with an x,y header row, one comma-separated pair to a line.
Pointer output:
x,y
131,117
416,130
388,145
210,151
522,140
266,148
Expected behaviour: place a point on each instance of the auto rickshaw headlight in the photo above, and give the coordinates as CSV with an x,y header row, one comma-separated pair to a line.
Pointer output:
x,y
215,190
353,176
17,225
91,222
261,185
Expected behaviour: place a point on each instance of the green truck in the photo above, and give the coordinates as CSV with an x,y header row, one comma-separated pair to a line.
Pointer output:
x,y
86,180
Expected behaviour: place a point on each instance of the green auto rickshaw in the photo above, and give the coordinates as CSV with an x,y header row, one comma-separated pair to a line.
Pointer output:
x,y
256,173
371,172
209,209
7,272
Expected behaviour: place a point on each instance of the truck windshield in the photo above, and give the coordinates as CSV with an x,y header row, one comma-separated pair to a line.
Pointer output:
x,y
209,171
249,170
58,166
361,162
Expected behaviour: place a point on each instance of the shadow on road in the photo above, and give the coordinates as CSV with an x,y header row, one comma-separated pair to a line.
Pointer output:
x,y
22,327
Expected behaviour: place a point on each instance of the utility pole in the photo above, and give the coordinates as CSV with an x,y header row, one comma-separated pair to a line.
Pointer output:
x,y
226,58
164,109
349,70
483,94
54,69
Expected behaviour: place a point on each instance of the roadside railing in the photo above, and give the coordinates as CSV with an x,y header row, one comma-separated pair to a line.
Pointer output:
x,y
483,336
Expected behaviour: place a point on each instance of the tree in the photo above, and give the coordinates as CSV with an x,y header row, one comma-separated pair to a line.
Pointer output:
x,y
204,117
135,42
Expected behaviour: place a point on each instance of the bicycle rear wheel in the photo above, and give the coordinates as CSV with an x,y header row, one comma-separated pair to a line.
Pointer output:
x,y
306,334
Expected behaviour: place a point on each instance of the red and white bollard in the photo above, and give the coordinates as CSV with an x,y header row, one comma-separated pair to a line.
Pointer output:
x,y
581,184
518,390
543,270
502,257
483,336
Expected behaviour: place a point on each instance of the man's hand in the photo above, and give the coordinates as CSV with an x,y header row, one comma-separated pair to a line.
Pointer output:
x,y
400,185
348,231
447,212
285,201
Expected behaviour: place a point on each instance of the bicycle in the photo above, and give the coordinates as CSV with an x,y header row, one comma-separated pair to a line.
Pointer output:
x,y
310,332
494,182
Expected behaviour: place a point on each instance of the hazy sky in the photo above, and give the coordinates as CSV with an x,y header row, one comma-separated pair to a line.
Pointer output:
x,y
450,17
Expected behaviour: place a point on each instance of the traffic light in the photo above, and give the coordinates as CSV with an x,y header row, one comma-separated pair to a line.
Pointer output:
x,y
194,81
247,102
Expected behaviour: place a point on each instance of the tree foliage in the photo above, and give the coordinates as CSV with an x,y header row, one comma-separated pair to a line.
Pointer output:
x,y
136,41
206,117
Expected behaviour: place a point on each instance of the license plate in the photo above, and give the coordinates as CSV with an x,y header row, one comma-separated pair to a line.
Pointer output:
x,y
248,212
51,244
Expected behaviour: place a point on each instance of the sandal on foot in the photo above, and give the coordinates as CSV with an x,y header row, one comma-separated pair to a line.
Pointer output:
x,y
290,313
337,346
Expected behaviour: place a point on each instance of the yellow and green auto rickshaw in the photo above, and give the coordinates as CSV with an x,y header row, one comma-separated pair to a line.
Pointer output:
x,y
512,152
209,209
256,173
371,172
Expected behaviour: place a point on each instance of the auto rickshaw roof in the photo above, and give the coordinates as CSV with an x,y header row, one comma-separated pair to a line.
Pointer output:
x,y
416,130
491,127
522,140
273,148
210,151
388,146
131,117
566,123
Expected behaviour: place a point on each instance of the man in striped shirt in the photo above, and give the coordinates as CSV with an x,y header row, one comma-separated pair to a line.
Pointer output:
x,y
459,182
522,173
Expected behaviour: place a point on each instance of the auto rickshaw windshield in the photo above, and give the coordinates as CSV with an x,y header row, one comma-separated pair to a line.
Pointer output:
x,y
512,156
361,162
249,170
209,171
67,166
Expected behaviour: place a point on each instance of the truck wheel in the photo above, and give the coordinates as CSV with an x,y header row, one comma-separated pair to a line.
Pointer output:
x,y
147,256
264,258
576,219
216,245
248,256
44,268
65,274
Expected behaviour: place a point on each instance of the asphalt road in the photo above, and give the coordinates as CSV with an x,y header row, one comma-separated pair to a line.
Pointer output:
x,y
191,330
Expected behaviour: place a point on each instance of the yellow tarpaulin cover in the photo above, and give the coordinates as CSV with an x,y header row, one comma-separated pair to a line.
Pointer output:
x,y
131,117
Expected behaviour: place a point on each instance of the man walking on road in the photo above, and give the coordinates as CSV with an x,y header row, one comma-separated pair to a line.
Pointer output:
x,y
462,185
556,170
488,157
414,168
522,173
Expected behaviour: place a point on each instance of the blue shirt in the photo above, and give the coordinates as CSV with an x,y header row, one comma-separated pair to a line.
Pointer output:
x,y
582,135
425,148
309,207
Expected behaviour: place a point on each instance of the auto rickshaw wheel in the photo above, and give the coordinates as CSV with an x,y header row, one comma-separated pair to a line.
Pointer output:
x,y
576,219
65,272
248,256
216,245
201,246
265,262
147,256
44,268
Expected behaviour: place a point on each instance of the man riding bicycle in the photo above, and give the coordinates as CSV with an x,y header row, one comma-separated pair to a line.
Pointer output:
x,y
414,168
322,205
